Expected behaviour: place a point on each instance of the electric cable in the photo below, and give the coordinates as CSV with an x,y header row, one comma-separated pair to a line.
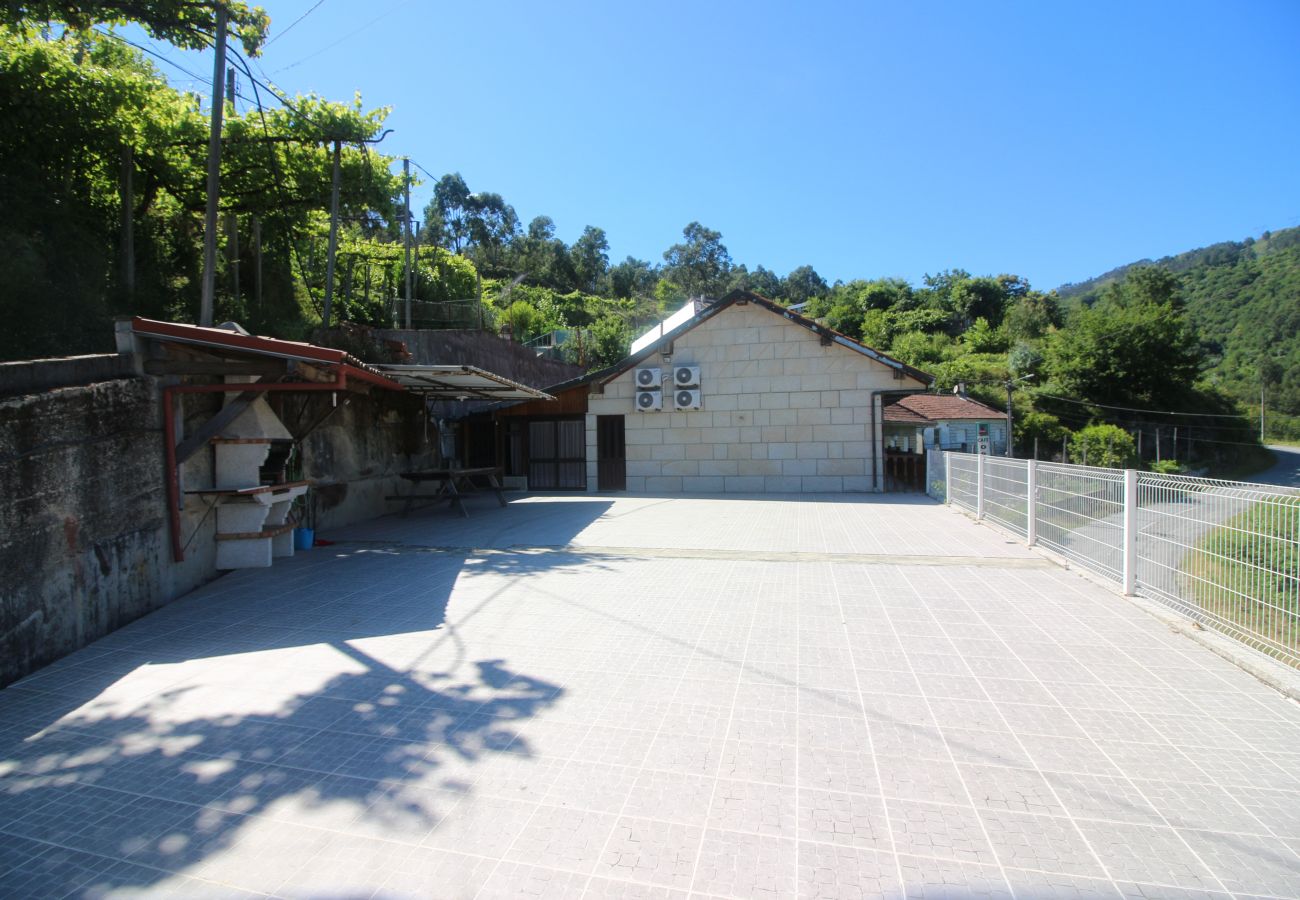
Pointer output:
x,y
291,25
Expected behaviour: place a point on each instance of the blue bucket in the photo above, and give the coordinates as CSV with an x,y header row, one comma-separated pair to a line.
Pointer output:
x,y
303,538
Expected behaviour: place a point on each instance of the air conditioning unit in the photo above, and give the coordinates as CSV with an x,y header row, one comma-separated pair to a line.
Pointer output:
x,y
648,379
686,376
649,401
686,398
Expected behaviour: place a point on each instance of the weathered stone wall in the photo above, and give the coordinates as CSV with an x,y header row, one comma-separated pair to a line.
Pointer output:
x,y
355,456
85,545
780,413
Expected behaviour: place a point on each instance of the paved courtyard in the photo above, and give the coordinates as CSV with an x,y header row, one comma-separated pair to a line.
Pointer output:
x,y
641,697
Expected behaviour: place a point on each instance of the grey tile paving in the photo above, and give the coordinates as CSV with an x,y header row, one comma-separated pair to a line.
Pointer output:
x,y
642,698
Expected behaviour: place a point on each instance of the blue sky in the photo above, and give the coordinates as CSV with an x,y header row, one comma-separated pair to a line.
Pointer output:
x,y
1050,140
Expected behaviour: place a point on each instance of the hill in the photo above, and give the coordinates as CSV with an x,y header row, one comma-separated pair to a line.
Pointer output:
x,y
1244,298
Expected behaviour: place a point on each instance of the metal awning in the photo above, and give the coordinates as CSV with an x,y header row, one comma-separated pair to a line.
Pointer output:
x,y
460,383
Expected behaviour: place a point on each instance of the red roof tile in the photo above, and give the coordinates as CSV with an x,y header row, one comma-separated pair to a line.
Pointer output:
x,y
938,407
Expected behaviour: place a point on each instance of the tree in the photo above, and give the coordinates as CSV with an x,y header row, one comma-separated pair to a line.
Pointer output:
x,y
606,342
1108,446
1032,315
1128,350
761,281
452,209
632,278
802,284
699,266
590,257
492,224
186,24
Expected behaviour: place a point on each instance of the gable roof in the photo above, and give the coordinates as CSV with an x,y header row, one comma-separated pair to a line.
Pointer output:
x,y
742,297
927,408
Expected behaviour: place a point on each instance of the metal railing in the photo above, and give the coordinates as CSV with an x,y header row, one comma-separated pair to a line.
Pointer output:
x,y
1224,553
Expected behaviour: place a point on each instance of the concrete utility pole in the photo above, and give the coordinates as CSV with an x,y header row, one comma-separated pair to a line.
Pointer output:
x,y
214,174
406,234
334,239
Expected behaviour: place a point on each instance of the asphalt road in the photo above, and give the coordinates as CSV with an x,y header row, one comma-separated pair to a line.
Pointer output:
x,y
1285,472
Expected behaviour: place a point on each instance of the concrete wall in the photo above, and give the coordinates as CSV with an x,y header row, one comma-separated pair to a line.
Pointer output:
x,y
781,413
85,545
354,458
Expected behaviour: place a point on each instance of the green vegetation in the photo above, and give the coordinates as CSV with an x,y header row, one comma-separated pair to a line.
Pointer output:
x,y
1244,300
100,148
1105,445
1247,573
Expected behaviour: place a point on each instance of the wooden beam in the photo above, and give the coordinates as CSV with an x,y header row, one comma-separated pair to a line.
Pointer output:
x,y
212,367
212,427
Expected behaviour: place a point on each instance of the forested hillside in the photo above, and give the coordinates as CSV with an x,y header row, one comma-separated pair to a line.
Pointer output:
x,y
102,179
1244,299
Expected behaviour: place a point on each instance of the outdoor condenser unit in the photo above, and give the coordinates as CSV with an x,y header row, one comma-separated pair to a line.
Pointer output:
x,y
686,398
648,379
649,401
686,376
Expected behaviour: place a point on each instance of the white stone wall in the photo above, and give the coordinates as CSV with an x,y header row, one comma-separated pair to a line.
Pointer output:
x,y
781,413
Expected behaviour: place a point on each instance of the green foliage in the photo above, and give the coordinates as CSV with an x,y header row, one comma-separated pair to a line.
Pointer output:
x,y
184,23
1244,298
698,266
1103,445
919,349
1135,347
983,338
1166,467
604,343
1043,427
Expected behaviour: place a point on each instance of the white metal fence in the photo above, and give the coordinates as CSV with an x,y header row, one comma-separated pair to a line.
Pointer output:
x,y
1222,552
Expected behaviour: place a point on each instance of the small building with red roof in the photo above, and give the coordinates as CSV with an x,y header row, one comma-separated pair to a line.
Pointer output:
x,y
918,422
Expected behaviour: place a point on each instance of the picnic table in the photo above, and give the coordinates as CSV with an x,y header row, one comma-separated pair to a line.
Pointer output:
x,y
452,484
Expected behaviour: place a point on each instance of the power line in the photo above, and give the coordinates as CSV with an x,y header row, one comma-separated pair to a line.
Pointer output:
x,y
423,169
346,37
1154,412
293,23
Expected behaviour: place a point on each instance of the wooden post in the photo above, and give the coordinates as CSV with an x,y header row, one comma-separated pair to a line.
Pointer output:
x,y
406,234
214,174
334,239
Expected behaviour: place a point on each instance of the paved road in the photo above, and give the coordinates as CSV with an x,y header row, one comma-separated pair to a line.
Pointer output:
x,y
641,697
1285,472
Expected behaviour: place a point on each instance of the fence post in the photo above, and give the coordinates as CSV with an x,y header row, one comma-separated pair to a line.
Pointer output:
x,y
947,477
1130,531
979,486
1031,502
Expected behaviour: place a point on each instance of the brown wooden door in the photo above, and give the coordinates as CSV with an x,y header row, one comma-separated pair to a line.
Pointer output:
x,y
611,454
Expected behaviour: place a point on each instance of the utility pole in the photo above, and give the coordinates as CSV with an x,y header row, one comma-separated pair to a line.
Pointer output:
x,y
334,239
214,174
406,234
1009,419
232,218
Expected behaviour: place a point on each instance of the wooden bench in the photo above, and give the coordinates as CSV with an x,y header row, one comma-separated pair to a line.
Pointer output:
x,y
452,484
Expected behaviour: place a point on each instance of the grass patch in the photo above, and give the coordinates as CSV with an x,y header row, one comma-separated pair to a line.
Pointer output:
x,y
1246,573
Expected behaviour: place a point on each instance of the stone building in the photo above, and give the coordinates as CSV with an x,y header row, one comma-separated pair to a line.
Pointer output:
x,y
743,396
